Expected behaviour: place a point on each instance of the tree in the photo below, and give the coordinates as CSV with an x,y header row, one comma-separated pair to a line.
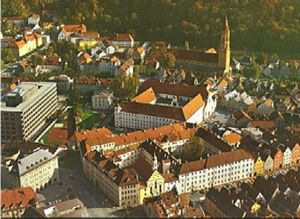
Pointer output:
x,y
124,87
252,71
37,59
262,58
7,55
193,149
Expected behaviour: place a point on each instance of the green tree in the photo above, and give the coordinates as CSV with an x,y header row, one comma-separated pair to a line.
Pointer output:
x,y
124,87
7,55
37,59
252,71
193,149
262,58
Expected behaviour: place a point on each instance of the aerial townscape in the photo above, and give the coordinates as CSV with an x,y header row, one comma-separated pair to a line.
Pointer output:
x,y
150,108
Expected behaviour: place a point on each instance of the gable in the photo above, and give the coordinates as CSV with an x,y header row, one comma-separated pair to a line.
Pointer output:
x,y
156,176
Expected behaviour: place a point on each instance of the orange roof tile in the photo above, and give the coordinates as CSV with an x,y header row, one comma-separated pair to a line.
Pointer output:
x,y
192,106
146,97
20,197
74,28
58,135
232,138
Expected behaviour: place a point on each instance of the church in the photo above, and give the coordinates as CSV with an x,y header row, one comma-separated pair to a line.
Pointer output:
x,y
206,60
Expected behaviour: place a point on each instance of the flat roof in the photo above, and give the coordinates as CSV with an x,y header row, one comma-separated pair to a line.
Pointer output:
x,y
43,89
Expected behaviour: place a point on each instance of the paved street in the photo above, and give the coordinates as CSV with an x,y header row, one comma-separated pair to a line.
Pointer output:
x,y
73,183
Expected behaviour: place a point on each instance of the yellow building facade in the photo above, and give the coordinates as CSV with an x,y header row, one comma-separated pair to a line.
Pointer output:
x,y
154,186
259,166
87,44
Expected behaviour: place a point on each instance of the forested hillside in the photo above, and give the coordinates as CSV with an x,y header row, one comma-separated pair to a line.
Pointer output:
x,y
271,26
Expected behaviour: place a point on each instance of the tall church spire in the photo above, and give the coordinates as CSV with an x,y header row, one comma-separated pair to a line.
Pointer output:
x,y
224,48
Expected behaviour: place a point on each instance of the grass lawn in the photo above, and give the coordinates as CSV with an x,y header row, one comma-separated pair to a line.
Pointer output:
x,y
88,120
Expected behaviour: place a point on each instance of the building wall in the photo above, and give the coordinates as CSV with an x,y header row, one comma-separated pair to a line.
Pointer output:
x,y
287,156
23,125
154,186
97,177
139,121
101,103
295,157
38,177
278,160
15,213
268,166
129,195
259,167
87,44
215,176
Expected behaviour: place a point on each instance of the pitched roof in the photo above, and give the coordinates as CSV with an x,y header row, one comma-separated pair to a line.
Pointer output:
x,y
127,64
192,166
74,28
232,138
227,157
194,55
213,140
154,110
267,124
122,37
145,97
174,89
192,106
17,198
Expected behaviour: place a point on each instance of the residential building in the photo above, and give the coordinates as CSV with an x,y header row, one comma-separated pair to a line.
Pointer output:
x,y
102,100
170,137
127,68
217,204
35,170
265,109
25,110
120,185
158,104
63,83
68,208
89,40
34,19
170,204
85,84
68,30
212,144
259,166
15,201
123,40
295,154
109,65
216,170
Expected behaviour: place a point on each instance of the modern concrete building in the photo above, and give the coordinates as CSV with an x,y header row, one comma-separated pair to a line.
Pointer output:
x,y
25,109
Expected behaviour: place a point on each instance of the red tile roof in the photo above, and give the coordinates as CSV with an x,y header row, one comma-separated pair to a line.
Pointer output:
x,y
227,158
174,89
58,135
74,28
194,55
232,138
146,97
17,198
171,132
192,166
262,124
122,37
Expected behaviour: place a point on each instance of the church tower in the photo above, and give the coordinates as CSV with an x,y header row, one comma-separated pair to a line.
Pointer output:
x,y
224,48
